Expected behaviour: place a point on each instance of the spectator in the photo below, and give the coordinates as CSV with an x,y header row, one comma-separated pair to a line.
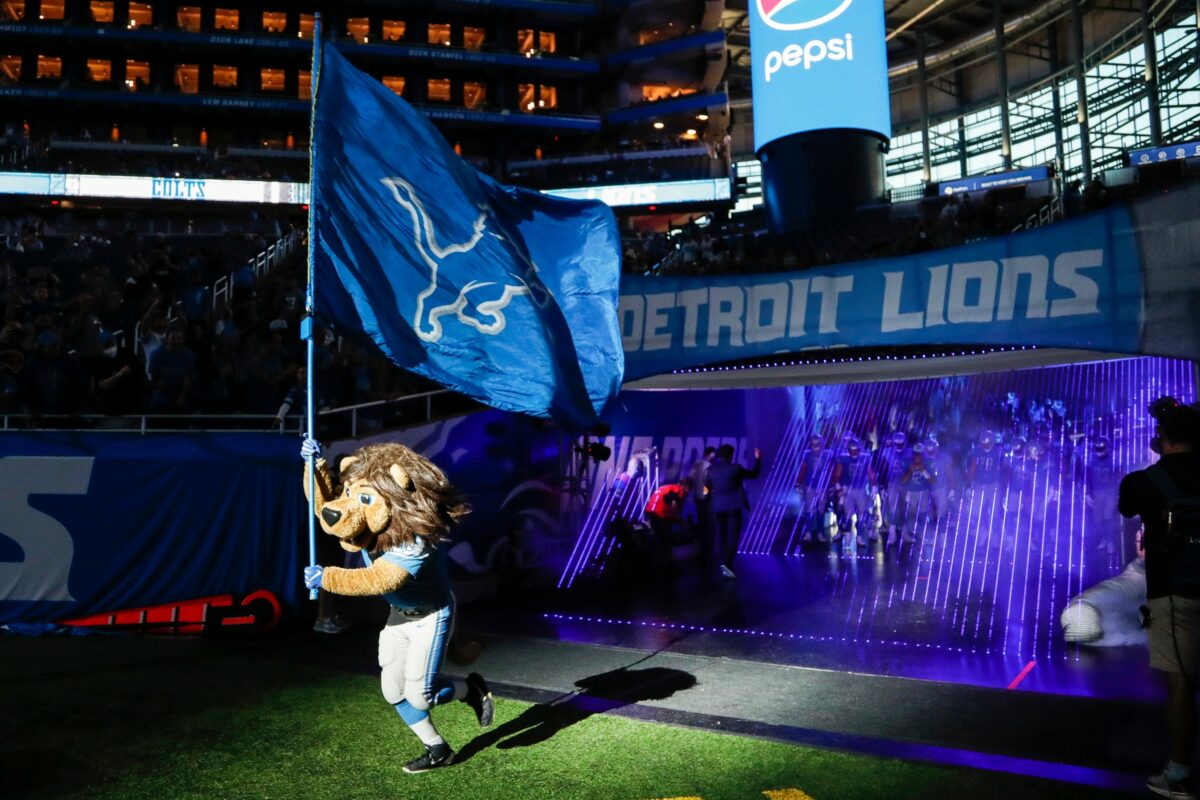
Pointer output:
x,y
728,495
1096,194
172,370
1072,199
53,381
118,379
1174,607
967,218
154,333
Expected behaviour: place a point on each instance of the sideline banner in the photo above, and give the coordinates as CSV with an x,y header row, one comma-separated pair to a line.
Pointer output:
x,y
100,522
1119,280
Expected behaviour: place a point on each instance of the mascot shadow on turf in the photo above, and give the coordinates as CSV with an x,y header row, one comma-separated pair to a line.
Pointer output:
x,y
596,694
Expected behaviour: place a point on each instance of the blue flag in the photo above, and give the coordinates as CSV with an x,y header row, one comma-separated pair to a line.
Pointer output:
x,y
503,294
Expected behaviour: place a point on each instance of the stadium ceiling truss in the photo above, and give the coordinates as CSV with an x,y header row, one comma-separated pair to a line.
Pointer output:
x,y
944,61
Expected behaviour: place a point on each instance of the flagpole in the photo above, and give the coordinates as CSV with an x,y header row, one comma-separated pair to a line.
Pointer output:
x,y
307,330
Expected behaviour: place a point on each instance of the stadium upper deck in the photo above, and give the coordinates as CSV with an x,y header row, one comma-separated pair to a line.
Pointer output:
x,y
507,80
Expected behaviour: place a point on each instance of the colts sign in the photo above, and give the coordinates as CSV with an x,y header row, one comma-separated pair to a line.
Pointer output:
x,y
817,65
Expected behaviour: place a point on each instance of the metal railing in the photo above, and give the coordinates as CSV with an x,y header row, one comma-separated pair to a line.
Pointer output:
x,y
1050,212
378,412
222,287
340,422
141,423
264,262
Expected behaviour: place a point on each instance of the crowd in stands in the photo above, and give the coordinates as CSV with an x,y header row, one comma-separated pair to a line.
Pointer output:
x,y
85,153
742,245
617,170
187,163
106,322
99,319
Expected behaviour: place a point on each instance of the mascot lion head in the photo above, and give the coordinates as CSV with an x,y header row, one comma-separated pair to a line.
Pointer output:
x,y
389,496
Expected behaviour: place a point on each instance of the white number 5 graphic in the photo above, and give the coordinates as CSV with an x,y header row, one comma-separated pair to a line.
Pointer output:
x,y
48,546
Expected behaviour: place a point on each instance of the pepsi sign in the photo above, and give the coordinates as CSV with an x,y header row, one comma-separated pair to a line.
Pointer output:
x,y
818,64
797,15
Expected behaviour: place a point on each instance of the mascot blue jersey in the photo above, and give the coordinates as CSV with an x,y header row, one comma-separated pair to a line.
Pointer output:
x,y
428,585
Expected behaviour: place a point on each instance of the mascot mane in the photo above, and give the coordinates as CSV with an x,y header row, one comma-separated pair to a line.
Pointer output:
x,y
422,501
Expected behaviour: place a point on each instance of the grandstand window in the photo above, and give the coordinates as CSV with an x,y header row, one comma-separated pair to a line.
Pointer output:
x,y
10,69
137,74
271,80
1179,86
473,37
306,26
224,76
274,21
187,78
49,67
652,92
99,70
13,10
358,28
101,11
439,33
656,35
226,19
439,90
526,96
474,94
393,30
534,97
52,9
395,83
304,81
140,14
532,42
188,18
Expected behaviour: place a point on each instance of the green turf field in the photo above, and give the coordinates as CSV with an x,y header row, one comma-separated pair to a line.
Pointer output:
x,y
105,717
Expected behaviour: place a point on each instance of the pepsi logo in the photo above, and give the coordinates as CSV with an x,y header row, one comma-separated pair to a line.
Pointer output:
x,y
797,15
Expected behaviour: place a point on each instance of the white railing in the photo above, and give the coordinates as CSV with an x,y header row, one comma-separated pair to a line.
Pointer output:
x,y
423,400
222,288
1050,212
142,423
263,263
420,411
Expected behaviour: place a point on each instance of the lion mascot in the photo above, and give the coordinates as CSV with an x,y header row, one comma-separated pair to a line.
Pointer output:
x,y
397,508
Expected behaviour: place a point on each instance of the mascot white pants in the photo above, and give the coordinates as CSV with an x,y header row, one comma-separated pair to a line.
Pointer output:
x,y
412,647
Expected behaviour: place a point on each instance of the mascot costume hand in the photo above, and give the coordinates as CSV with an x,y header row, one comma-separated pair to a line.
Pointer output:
x,y
398,510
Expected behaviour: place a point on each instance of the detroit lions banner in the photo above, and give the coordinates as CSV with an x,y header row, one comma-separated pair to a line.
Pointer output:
x,y
504,294
1120,280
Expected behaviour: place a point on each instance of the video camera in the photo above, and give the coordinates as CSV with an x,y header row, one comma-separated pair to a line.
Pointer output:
x,y
1185,426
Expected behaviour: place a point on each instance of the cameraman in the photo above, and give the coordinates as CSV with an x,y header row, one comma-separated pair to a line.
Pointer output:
x,y
1174,612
